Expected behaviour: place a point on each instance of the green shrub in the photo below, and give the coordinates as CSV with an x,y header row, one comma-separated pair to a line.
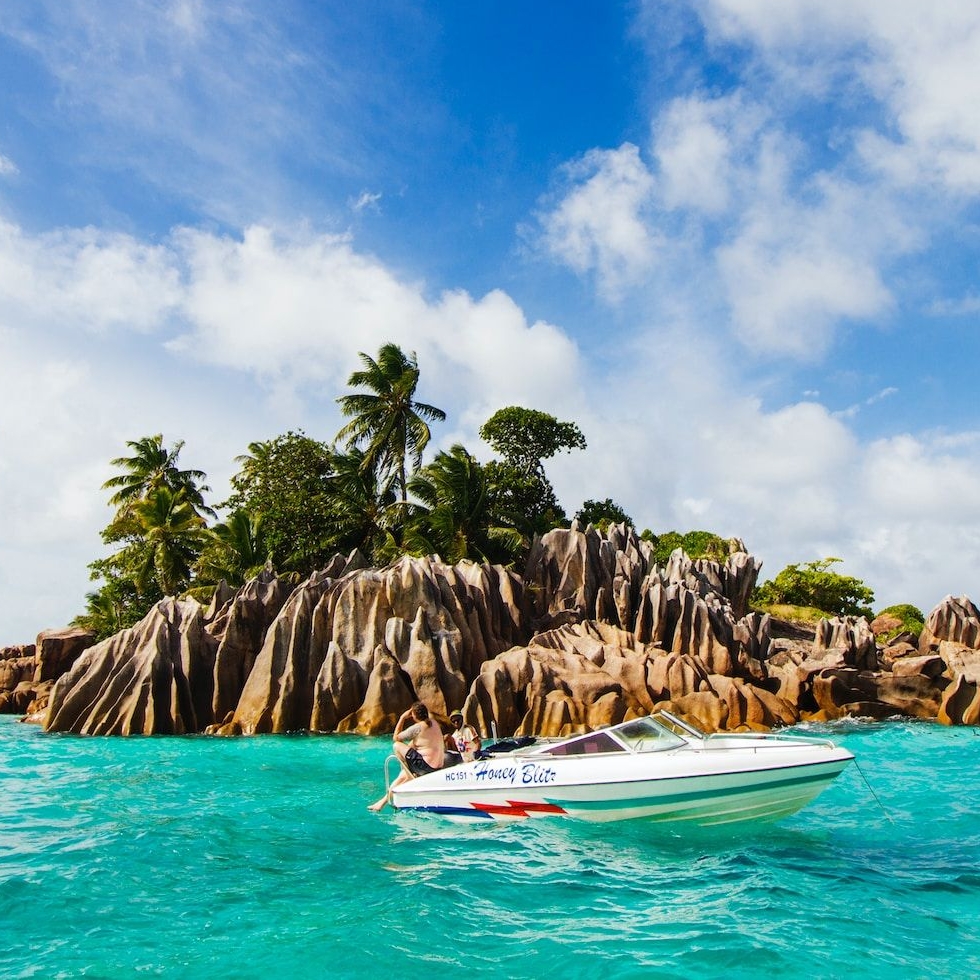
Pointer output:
x,y
696,544
911,616
814,585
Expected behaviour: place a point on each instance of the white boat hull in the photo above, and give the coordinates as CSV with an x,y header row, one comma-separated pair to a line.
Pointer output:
x,y
725,779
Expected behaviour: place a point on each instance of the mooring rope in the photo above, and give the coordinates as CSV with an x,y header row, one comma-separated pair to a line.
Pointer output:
x,y
872,792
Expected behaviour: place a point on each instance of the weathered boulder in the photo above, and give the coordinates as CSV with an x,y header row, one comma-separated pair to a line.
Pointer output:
x,y
14,671
350,654
549,690
961,703
885,623
594,633
153,679
580,573
57,651
953,620
848,639
900,648
240,623
581,676
16,667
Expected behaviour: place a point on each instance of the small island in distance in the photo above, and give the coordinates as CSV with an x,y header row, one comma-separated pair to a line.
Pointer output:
x,y
349,580
593,632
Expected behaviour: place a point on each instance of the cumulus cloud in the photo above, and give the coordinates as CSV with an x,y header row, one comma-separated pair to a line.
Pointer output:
x,y
793,255
598,226
918,61
300,308
789,286
679,445
699,143
87,278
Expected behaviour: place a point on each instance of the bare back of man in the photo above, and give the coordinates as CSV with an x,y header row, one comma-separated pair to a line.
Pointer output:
x,y
419,747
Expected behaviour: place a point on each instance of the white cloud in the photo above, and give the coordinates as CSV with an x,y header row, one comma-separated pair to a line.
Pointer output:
x,y
699,145
598,226
794,254
365,200
7,167
271,326
968,305
288,307
85,277
789,285
918,60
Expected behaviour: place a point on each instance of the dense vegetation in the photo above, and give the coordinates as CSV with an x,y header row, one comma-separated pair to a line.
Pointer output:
x,y
297,501
814,585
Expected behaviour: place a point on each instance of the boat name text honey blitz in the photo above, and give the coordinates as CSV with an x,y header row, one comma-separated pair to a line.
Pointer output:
x,y
527,774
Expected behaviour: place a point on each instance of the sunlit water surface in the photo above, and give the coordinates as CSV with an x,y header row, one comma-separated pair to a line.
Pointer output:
x,y
195,857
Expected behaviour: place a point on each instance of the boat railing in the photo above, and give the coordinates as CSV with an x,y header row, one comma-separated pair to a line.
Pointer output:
x,y
773,737
388,780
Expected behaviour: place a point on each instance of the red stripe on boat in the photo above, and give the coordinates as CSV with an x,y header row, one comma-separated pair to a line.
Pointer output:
x,y
538,807
514,808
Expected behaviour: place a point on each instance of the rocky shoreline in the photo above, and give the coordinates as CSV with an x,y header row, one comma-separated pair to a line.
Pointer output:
x,y
592,633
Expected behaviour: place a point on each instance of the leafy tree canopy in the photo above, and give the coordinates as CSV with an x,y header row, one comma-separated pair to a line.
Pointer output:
x,y
160,529
455,518
287,482
815,585
602,513
236,551
363,511
152,466
525,437
696,544
521,500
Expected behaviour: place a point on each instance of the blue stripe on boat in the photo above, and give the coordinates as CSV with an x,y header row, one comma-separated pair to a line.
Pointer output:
x,y
449,811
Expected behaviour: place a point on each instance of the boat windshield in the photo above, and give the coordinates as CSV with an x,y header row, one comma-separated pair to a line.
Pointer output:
x,y
647,735
676,725
591,744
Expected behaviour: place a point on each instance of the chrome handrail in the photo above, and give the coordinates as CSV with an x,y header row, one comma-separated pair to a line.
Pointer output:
x,y
391,758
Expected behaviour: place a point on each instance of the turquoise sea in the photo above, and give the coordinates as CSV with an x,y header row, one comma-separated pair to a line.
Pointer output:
x,y
210,858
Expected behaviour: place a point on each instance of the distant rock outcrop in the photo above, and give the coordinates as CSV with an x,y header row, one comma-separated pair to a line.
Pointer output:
x,y
952,632
156,678
594,631
350,654
27,673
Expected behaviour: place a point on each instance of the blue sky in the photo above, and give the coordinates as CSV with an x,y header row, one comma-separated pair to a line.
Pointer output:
x,y
735,240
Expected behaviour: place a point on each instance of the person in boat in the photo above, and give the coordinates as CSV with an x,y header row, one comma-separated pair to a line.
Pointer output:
x,y
417,741
464,739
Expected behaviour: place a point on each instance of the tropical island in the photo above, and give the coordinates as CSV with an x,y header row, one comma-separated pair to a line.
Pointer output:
x,y
348,580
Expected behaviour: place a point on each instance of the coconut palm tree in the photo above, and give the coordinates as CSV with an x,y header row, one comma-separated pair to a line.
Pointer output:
x,y
363,511
385,417
237,550
150,467
171,536
455,518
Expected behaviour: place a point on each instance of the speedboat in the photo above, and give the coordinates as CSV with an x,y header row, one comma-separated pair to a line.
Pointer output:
x,y
657,768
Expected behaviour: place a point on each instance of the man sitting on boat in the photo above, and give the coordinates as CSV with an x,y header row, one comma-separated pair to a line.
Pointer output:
x,y
419,747
464,739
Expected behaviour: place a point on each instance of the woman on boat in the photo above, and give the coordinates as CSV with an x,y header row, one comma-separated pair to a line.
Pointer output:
x,y
419,748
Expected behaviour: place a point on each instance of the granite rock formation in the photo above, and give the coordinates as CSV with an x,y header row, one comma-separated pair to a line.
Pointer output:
x,y
27,673
593,632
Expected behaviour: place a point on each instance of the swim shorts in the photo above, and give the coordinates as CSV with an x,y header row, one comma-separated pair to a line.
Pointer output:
x,y
417,766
